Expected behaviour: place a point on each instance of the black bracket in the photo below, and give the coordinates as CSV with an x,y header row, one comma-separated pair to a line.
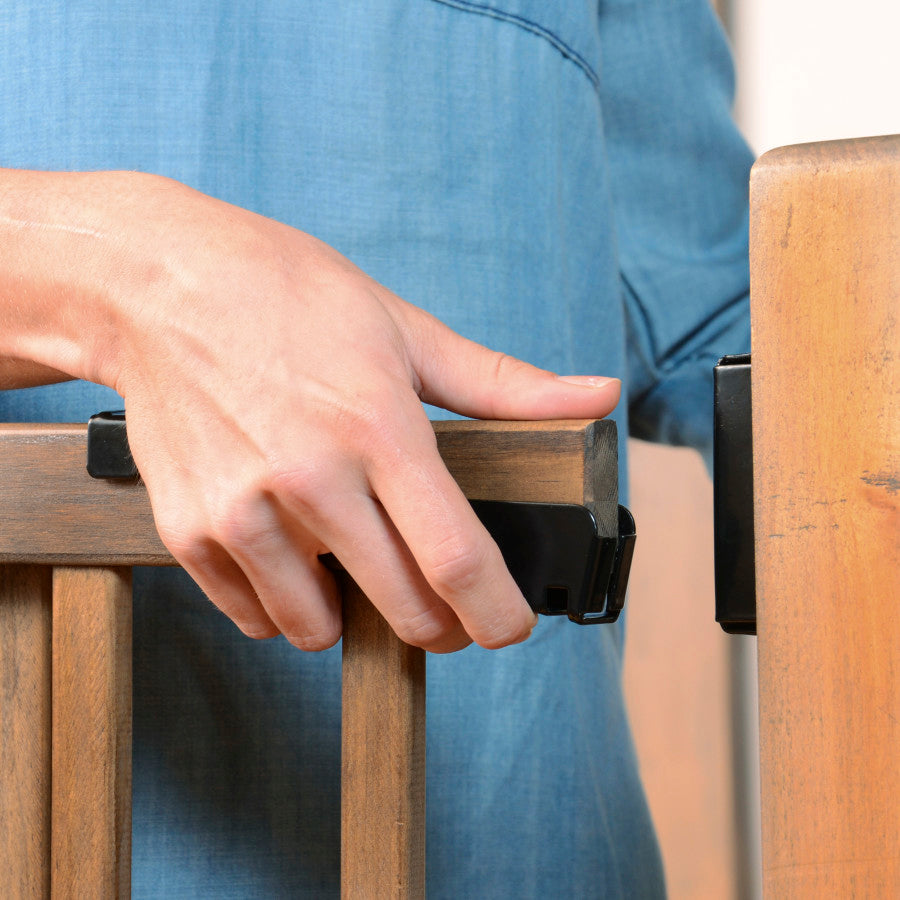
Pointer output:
x,y
735,556
554,551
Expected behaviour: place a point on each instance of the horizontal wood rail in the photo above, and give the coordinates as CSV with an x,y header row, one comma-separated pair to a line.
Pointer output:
x,y
66,544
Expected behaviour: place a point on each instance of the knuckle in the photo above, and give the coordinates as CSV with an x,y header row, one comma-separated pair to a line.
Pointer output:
x,y
505,367
373,428
304,485
238,526
185,538
427,629
455,565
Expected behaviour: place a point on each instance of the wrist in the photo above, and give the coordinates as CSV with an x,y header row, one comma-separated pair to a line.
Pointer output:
x,y
71,269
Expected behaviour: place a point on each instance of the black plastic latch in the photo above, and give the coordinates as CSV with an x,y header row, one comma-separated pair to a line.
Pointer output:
x,y
733,497
559,559
108,453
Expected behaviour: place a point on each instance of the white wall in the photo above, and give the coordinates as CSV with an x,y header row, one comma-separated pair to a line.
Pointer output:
x,y
812,70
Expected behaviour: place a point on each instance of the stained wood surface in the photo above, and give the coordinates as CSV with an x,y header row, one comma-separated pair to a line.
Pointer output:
x,y
55,513
825,285
540,462
91,828
25,634
382,758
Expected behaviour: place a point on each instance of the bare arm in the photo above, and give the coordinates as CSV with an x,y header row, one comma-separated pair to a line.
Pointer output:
x,y
294,383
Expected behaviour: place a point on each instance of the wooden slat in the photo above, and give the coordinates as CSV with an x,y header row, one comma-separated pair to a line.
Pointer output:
x,y
91,807
25,629
826,420
57,514
383,758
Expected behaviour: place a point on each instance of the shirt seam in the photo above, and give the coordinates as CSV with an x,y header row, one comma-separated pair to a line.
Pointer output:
x,y
531,27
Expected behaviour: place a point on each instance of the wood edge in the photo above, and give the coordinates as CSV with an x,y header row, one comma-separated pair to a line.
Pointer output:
x,y
499,426
42,428
73,560
600,487
782,163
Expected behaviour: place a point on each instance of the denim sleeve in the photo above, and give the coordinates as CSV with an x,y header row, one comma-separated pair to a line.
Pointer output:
x,y
679,173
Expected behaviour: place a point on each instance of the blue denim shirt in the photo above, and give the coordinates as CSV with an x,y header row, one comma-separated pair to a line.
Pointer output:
x,y
561,181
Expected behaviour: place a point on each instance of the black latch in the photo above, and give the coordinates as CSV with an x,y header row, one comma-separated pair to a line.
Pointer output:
x,y
554,551
108,453
733,497
556,555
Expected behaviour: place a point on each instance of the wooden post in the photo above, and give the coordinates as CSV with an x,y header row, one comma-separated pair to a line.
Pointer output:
x,y
825,286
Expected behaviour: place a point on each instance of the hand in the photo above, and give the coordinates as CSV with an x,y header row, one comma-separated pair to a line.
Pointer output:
x,y
274,396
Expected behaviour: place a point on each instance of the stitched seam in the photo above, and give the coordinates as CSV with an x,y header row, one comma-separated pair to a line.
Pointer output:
x,y
533,28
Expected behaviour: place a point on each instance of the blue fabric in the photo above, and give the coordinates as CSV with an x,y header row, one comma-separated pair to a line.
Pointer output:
x,y
561,181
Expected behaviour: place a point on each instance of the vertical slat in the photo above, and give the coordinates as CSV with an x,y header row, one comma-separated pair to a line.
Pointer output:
x,y
825,285
91,807
25,634
383,758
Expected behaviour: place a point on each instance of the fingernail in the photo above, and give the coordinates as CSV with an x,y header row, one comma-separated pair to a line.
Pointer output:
x,y
594,381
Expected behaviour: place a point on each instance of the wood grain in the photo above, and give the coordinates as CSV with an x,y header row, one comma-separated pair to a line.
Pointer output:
x,y
91,812
540,462
25,634
383,758
55,513
825,259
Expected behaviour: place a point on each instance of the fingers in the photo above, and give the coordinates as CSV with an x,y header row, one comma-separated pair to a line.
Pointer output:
x,y
279,559
260,570
223,581
356,528
460,375
453,552
256,557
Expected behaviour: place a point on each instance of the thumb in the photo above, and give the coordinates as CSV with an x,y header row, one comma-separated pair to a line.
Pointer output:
x,y
459,375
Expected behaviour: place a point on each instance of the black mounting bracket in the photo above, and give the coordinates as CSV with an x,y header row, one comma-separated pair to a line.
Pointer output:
x,y
735,556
